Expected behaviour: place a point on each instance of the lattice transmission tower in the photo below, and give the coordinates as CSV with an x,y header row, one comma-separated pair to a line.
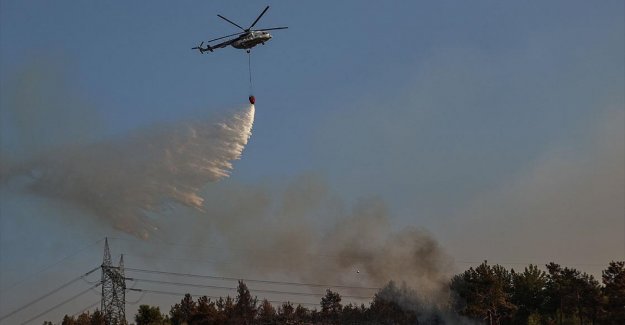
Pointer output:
x,y
113,289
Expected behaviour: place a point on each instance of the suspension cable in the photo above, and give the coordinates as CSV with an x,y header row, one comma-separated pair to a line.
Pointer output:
x,y
249,67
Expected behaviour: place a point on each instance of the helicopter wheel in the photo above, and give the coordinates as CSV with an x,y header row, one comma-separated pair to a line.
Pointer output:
x,y
248,51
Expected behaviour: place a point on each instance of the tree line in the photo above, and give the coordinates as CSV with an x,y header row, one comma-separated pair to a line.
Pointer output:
x,y
486,294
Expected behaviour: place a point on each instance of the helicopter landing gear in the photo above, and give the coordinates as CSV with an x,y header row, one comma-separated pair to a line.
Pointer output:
x,y
248,51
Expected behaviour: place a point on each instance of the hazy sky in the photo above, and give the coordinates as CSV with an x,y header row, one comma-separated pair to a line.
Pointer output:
x,y
497,126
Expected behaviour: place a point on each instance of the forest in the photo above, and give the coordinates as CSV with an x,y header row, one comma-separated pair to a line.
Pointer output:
x,y
486,294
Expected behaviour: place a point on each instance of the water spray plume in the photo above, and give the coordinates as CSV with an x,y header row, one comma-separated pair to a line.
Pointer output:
x,y
124,179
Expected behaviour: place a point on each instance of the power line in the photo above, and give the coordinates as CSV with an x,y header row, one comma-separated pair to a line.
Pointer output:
x,y
232,288
136,301
180,284
49,294
251,280
60,304
82,310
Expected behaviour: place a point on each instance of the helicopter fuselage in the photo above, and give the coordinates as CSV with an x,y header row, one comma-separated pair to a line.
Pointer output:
x,y
251,39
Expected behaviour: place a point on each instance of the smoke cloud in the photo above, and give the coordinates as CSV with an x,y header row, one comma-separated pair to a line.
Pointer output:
x,y
305,231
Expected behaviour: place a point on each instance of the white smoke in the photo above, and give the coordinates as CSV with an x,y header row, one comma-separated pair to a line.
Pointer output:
x,y
124,179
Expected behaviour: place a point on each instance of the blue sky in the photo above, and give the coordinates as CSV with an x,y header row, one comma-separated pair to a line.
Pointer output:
x,y
453,112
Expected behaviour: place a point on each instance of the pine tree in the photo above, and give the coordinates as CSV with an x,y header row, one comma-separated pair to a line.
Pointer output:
x,y
183,312
97,318
147,315
266,313
245,307
331,306
528,293
484,293
614,290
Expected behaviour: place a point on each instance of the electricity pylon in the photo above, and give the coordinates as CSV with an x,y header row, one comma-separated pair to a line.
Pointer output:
x,y
113,304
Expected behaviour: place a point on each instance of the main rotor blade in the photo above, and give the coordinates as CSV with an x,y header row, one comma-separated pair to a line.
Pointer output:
x,y
239,33
265,29
230,21
261,14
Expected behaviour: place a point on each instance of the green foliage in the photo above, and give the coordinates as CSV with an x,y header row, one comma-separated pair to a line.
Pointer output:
x,y
68,320
83,319
614,292
181,313
245,307
147,315
353,315
206,313
301,313
97,318
286,312
571,296
266,313
528,294
331,306
484,293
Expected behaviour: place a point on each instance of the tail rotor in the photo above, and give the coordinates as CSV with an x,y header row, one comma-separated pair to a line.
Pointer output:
x,y
199,48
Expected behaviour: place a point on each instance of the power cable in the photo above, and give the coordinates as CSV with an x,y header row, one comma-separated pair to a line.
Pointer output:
x,y
250,280
59,304
136,301
182,284
82,310
49,293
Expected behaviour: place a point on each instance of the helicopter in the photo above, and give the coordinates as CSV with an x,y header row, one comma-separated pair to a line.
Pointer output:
x,y
246,39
